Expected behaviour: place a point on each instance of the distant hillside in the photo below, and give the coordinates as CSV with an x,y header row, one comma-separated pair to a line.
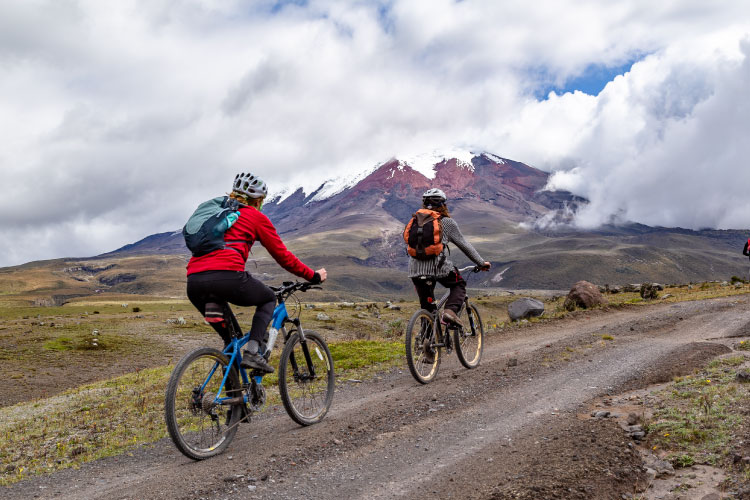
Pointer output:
x,y
353,228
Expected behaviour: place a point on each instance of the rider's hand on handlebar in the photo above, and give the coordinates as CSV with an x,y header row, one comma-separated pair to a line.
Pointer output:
x,y
486,266
323,274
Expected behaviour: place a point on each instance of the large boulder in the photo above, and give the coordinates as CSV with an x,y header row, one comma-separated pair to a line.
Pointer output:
x,y
583,294
525,308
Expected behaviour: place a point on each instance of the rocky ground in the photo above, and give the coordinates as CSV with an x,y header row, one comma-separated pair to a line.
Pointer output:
x,y
520,429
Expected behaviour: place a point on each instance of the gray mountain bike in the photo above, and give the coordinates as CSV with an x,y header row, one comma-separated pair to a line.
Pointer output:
x,y
427,337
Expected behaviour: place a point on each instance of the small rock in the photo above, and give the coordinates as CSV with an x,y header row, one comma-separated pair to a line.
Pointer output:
x,y
743,376
347,305
601,414
525,308
711,496
632,419
251,487
666,296
637,435
662,467
323,317
513,362
337,442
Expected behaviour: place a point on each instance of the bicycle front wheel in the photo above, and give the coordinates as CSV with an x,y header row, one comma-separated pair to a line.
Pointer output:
x,y
423,359
306,378
469,339
199,427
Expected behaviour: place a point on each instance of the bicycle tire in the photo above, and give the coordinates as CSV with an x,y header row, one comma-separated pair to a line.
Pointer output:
x,y
187,415
469,340
299,395
422,371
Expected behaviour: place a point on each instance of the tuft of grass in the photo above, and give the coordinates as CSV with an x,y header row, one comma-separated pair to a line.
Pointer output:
x,y
607,337
364,353
395,329
682,461
701,411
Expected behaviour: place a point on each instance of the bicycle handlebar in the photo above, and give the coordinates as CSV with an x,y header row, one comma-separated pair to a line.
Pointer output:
x,y
472,268
288,287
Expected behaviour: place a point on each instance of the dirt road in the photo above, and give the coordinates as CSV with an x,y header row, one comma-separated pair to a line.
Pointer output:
x,y
493,432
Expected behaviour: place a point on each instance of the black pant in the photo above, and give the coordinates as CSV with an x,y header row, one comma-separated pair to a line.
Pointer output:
x,y
235,287
426,291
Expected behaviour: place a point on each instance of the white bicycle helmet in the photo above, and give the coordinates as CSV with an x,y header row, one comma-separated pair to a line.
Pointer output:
x,y
250,185
433,197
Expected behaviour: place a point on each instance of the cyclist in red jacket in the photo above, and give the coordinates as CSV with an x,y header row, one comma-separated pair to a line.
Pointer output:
x,y
221,274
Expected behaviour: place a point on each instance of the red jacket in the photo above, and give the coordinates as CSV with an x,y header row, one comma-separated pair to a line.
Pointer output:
x,y
251,226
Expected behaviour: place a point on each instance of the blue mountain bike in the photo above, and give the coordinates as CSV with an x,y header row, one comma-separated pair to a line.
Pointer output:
x,y
209,394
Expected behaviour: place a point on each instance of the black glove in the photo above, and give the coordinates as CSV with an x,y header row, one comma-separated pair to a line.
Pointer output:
x,y
316,279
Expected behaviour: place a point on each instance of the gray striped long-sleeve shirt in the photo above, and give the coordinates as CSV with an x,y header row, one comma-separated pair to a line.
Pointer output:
x,y
451,234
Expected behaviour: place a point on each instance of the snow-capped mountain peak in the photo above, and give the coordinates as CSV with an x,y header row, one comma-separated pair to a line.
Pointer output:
x,y
417,170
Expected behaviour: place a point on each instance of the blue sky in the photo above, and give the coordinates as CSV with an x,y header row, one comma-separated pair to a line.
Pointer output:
x,y
591,81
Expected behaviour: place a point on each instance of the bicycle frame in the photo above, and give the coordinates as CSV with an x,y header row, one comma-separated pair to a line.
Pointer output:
x,y
233,349
438,325
278,320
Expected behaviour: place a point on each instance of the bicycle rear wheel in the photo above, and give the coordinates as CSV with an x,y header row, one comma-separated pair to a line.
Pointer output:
x,y
198,426
422,359
306,379
469,339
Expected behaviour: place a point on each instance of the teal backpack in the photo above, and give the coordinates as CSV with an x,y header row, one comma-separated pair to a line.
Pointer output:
x,y
204,231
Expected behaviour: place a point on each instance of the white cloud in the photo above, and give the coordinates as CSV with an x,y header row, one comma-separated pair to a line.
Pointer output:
x,y
119,117
665,146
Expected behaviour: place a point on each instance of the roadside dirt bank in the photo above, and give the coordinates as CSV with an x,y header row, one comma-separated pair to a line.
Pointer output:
x,y
493,432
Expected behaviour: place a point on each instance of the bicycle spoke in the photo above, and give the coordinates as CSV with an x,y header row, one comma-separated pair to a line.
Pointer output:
x,y
198,424
306,399
470,338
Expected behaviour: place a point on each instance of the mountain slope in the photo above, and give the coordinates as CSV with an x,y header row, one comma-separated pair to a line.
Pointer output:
x,y
353,228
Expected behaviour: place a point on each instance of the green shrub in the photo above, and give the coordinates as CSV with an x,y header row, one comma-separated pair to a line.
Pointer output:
x,y
682,461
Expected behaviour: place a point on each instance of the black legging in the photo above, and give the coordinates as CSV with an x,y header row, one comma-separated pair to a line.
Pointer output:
x,y
235,287
426,290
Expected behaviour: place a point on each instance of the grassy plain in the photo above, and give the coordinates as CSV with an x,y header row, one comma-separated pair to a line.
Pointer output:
x,y
86,380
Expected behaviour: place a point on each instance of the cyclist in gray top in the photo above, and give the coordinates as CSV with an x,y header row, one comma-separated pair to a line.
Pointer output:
x,y
440,269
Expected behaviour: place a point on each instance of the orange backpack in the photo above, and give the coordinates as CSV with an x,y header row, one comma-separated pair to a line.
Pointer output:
x,y
424,235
